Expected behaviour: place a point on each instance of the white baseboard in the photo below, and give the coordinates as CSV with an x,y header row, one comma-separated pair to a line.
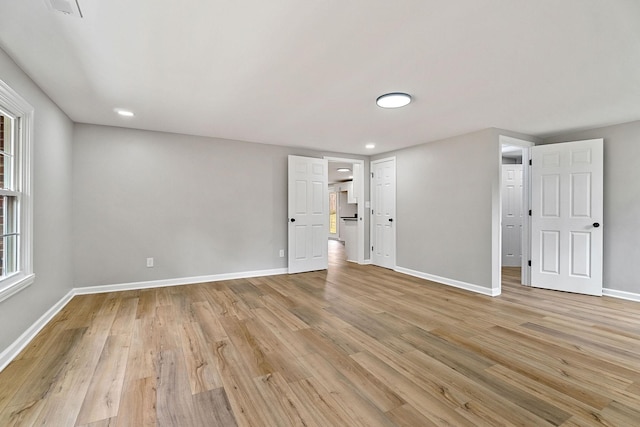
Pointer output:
x,y
621,294
11,352
366,262
176,282
451,282
18,345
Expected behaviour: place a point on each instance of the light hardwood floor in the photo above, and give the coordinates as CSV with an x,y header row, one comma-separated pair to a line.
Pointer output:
x,y
351,346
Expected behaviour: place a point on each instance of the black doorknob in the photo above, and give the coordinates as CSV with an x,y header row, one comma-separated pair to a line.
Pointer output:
x,y
596,224
293,220
390,219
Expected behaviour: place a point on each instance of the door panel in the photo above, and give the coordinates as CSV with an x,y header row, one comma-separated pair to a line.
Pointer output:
x,y
384,207
567,194
308,214
550,252
512,181
581,254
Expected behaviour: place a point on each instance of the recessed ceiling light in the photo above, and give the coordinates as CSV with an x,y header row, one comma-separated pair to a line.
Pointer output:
x,y
370,146
123,113
343,170
393,100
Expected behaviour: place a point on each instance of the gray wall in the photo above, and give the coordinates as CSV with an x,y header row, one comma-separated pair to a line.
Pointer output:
x,y
51,209
444,206
199,206
621,222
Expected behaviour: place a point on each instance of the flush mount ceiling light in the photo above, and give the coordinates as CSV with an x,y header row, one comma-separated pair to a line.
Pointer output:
x,y
343,170
370,146
393,100
68,7
123,113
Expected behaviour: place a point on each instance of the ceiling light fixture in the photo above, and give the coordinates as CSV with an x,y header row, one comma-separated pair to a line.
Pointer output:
x,y
123,113
343,170
393,100
370,146
68,7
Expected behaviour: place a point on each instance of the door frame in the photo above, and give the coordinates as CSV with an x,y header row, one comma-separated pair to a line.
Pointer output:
x,y
496,223
395,202
361,202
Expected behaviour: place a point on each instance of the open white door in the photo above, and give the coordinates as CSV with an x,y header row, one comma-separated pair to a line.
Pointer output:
x,y
566,221
383,206
308,214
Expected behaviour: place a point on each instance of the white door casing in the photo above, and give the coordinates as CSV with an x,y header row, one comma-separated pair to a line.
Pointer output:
x,y
566,223
308,214
383,205
512,220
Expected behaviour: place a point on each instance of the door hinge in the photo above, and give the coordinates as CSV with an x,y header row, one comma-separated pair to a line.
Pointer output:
x,y
371,174
530,162
529,263
371,211
371,247
529,212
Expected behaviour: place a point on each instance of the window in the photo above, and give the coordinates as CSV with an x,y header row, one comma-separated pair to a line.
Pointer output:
x,y
16,120
333,213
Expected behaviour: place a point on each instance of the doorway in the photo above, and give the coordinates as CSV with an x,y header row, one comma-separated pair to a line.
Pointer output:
x,y
346,190
512,211
511,221
562,211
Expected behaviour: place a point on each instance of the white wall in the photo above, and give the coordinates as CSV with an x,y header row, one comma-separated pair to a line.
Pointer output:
x,y
621,222
52,209
199,206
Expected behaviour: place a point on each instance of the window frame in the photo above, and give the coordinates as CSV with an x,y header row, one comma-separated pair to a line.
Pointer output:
x,y
22,112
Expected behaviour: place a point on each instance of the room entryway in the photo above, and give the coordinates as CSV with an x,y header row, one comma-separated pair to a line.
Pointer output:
x,y
561,208
312,217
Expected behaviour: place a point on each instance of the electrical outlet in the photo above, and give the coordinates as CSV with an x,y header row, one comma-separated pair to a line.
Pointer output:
x,y
149,262
281,253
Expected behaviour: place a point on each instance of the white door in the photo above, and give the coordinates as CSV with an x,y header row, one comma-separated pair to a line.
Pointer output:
x,y
512,215
383,206
566,222
308,214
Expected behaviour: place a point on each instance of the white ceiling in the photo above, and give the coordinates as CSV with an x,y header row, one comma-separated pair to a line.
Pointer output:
x,y
307,73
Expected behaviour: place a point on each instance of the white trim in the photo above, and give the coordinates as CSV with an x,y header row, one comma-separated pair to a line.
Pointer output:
x,y
492,292
11,352
366,262
630,296
17,107
15,285
177,281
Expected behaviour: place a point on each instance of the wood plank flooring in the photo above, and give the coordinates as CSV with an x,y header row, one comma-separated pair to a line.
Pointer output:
x,y
351,346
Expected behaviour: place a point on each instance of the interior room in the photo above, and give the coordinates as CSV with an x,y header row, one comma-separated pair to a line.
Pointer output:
x,y
319,213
